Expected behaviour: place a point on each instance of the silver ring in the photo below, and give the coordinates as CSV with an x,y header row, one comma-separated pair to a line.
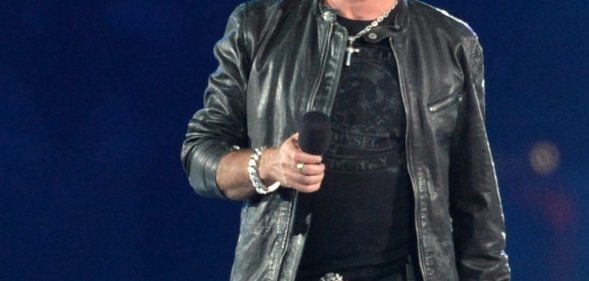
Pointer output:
x,y
300,167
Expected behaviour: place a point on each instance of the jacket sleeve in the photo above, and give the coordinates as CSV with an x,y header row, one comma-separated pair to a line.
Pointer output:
x,y
475,204
221,124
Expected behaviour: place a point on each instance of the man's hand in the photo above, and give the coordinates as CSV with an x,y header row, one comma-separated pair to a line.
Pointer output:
x,y
281,165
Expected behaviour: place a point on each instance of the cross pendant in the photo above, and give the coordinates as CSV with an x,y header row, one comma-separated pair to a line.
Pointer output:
x,y
350,50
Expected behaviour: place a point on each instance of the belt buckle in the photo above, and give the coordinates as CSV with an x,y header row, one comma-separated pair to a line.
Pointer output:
x,y
332,277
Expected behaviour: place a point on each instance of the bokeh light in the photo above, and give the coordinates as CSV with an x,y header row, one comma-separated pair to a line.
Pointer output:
x,y
545,158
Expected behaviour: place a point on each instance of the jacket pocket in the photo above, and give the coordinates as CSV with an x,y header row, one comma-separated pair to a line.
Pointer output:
x,y
444,103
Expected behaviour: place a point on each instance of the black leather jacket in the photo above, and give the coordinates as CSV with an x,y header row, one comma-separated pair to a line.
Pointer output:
x,y
280,59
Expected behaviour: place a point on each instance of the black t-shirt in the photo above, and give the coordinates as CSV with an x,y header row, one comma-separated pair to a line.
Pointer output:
x,y
362,217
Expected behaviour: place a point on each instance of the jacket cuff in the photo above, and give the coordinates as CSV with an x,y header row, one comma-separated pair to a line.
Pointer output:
x,y
203,170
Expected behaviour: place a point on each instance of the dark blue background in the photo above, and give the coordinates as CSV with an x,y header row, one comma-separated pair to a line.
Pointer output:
x,y
94,101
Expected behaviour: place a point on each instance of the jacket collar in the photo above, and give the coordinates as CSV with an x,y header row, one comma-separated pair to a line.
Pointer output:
x,y
327,14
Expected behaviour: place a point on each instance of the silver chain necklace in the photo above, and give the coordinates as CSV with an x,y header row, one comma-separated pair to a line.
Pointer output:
x,y
350,50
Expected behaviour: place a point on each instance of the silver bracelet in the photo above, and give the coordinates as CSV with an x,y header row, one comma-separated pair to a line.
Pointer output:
x,y
252,169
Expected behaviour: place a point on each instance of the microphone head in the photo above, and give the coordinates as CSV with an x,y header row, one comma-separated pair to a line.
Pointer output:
x,y
314,133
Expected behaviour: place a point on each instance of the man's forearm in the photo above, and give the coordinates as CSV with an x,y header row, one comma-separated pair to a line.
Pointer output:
x,y
232,177
232,174
276,165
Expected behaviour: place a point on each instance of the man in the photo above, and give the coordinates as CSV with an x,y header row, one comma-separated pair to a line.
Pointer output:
x,y
407,189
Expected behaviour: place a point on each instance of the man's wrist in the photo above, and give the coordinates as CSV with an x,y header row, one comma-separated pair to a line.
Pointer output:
x,y
264,167
254,173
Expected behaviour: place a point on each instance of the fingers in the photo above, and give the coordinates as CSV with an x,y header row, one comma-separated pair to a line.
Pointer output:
x,y
281,165
303,183
312,169
306,179
302,157
299,156
294,175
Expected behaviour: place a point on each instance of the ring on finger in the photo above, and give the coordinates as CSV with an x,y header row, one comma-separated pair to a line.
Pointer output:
x,y
300,167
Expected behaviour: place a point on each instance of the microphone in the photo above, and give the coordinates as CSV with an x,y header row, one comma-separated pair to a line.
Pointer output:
x,y
314,133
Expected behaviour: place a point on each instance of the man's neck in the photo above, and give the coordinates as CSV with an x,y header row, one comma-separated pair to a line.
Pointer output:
x,y
361,9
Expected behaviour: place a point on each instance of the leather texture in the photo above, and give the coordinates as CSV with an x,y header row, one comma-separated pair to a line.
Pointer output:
x,y
280,59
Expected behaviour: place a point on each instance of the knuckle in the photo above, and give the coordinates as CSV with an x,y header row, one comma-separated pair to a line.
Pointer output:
x,y
285,177
282,165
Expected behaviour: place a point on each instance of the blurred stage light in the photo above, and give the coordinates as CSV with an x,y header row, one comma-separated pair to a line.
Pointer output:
x,y
544,158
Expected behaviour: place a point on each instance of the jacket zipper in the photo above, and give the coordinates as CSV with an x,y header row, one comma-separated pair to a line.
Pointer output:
x,y
324,56
289,232
326,45
420,251
438,106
